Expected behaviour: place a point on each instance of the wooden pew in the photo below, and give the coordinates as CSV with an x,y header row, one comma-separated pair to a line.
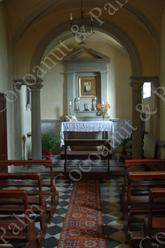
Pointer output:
x,y
139,184
31,183
138,165
45,167
15,227
103,154
156,221
151,164
142,193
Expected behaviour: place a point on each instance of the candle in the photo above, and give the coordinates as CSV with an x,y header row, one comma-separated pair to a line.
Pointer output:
x,y
71,17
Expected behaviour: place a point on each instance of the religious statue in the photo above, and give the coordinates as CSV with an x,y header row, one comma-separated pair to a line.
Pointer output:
x,y
77,104
94,104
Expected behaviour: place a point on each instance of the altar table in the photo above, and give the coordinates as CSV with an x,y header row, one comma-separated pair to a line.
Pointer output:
x,y
120,129
85,126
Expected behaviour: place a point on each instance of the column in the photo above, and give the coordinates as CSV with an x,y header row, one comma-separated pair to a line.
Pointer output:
x,y
18,126
137,142
71,89
36,120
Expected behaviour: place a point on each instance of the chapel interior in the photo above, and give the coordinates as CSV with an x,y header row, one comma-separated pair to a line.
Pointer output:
x,y
82,106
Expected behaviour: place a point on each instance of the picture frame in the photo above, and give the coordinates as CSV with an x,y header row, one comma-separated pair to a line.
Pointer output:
x,y
87,86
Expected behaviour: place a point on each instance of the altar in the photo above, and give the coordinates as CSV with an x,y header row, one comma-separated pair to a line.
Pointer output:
x,y
119,129
85,126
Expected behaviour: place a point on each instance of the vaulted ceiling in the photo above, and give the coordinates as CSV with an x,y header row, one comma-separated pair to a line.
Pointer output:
x,y
34,24
24,14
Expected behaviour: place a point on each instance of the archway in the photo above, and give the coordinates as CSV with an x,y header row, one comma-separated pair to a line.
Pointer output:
x,y
123,82
115,32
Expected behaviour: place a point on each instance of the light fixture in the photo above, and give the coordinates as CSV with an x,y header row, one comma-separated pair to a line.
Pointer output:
x,y
84,28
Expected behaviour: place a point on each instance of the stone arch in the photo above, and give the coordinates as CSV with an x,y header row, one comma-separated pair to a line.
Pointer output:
x,y
107,28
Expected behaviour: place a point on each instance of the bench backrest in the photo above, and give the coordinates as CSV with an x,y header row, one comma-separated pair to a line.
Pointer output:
x,y
143,162
24,181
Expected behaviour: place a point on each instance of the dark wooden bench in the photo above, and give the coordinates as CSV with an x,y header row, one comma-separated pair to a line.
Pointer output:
x,y
139,165
156,221
13,227
45,168
103,154
151,164
139,184
138,204
135,194
31,183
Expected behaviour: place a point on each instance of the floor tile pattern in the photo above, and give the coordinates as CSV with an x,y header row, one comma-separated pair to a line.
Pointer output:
x,y
64,188
112,216
110,200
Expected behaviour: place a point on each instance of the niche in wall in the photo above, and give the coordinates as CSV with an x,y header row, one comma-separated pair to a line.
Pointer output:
x,y
86,81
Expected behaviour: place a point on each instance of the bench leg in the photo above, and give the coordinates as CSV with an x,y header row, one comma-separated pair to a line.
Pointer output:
x,y
108,164
65,164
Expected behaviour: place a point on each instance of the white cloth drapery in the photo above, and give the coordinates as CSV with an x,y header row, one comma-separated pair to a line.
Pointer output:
x,y
85,126
120,129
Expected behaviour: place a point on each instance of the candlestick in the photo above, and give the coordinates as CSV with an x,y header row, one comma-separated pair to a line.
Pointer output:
x,y
71,17
70,107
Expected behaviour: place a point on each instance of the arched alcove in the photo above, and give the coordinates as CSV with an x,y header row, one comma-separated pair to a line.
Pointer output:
x,y
133,30
118,92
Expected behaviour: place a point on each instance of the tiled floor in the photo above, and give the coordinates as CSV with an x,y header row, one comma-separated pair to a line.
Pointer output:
x,y
64,188
88,166
110,188
112,216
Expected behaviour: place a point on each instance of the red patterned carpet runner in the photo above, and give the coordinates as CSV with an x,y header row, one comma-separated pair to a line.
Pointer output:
x,y
83,222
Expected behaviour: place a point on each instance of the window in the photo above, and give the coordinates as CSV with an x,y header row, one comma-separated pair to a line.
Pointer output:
x,y
146,90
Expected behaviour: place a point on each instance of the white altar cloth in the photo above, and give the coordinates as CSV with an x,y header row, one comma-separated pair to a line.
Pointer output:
x,y
85,126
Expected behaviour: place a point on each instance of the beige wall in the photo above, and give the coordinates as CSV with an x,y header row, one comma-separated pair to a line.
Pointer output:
x,y
120,93
53,95
119,90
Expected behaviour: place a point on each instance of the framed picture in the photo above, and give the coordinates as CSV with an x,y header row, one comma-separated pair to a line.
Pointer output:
x,y
87,86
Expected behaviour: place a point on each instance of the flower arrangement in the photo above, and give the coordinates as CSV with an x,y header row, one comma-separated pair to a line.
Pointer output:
x,y
102,109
